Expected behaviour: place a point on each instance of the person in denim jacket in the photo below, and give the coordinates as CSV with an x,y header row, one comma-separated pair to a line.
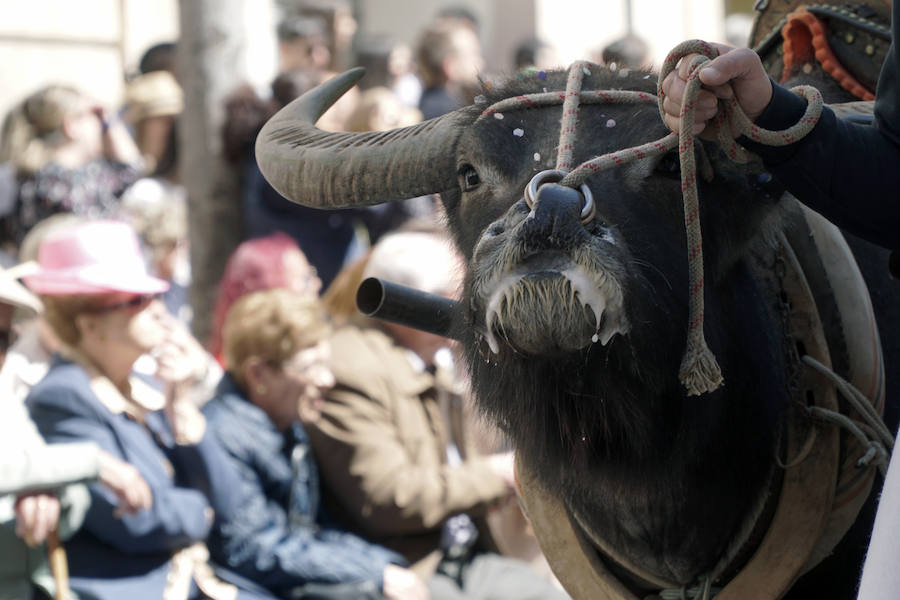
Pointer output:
x,y
275,356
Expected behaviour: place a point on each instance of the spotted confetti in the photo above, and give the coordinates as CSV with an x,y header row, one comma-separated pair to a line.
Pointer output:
x,y
498,116
518,132
611,123
480,99
537,157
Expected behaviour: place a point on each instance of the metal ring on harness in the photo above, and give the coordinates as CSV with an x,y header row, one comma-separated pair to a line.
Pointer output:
x,y
588,208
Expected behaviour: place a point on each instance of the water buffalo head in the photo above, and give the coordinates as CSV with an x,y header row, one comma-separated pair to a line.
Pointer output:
x,y
574,323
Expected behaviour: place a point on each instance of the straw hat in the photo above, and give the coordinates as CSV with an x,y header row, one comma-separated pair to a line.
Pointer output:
x,y
155,94
14,293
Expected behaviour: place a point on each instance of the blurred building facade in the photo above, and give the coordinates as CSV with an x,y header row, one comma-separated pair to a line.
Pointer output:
x,y
574,27
96,44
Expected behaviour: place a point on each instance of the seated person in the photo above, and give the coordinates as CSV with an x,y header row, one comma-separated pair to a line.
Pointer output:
x,y
40,491
28,359
275,356
391,448
103,307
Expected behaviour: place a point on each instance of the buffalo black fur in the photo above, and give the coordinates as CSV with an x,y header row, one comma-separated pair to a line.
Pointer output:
x,y
663,478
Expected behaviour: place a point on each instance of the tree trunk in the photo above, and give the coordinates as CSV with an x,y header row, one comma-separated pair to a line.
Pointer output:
x,y
211,52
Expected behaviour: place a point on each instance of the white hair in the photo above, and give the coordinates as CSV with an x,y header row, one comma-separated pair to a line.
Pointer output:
x,y
424,261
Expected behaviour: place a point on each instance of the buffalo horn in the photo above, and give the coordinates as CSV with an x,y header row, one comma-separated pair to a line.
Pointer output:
x,y
338,170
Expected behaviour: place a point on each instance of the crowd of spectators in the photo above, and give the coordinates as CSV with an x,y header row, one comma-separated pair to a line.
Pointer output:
x,y
300,451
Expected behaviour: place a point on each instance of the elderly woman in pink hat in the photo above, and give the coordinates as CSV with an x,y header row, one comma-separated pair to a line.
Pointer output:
x,y
102,304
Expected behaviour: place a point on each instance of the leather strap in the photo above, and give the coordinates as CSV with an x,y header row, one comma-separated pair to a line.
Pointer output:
x,y
808,521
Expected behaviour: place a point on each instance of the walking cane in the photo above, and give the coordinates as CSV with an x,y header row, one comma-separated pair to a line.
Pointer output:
x,y
59,566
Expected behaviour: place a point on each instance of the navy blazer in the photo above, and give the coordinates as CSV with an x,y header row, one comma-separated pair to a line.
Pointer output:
x,y
128,557
280,539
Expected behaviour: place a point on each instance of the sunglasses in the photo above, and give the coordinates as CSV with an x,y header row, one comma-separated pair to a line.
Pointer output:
x,y
138,301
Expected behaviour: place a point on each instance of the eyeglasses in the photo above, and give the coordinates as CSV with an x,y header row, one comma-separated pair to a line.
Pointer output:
x,y
138,301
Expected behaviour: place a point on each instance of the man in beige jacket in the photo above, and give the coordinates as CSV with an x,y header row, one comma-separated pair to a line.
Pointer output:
x,y
391,449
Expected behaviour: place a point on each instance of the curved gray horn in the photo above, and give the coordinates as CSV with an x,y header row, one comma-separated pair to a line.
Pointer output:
x,y
338,170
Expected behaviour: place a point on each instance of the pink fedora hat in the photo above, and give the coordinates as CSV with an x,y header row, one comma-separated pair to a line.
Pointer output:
x,y
93,258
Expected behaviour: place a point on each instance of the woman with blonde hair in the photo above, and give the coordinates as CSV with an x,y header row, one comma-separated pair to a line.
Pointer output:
x,y
102,305
69,155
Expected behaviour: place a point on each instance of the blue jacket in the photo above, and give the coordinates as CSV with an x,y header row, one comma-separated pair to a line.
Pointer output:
x,y
129,557
280,538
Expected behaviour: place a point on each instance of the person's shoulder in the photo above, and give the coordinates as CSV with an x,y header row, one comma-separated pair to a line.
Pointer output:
x,y
355,351
370,363
221,411
351,337
66,388
241,427
63,380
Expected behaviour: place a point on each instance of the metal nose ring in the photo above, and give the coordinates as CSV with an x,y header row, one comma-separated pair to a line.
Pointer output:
x,y
588,208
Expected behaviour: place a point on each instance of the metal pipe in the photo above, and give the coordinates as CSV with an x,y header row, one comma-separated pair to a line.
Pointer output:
x,y
407,306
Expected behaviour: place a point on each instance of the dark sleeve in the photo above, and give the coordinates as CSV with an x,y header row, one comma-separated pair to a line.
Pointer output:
x,y
263,546
178,517
206,467
848,172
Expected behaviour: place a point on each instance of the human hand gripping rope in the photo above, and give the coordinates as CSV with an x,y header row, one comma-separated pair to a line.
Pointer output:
x,y
699,371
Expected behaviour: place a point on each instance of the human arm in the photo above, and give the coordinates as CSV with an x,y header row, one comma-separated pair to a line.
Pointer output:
x,y
36,471
44,467
846,171
391,484
118,144
28,464
48,467
177,517
200,462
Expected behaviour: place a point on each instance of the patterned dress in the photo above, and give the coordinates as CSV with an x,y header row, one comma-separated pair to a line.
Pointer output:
x,y
92,191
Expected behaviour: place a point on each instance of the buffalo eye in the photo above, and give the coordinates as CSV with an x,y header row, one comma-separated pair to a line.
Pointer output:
x,y
669,165
468,178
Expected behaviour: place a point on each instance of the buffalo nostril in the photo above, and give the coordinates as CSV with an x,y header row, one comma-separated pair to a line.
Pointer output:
x,y
555,219
555,201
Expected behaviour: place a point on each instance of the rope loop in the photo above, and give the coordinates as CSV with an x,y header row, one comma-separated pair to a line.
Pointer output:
x,y
870,430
